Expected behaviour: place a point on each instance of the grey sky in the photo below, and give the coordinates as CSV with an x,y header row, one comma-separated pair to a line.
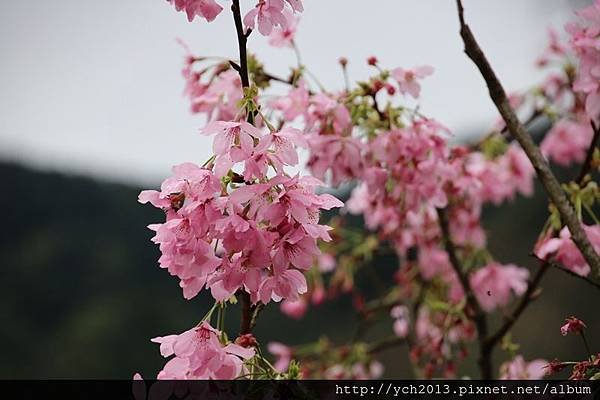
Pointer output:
x,y
94,86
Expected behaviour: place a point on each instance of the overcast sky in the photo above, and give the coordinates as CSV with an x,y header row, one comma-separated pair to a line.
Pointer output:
x,y
94,87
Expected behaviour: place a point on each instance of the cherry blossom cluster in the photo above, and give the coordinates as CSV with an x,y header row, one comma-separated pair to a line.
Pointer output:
x,y
257,235
242,224
199,354
267,14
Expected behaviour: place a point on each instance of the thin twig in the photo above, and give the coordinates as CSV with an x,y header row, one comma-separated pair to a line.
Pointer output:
x,y
242,40
518,131
246,323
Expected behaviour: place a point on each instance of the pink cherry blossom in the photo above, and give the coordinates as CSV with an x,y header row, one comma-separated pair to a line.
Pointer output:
x,y
338,154
408,79
572,325
234,142
326,262
285,142
294,103
267,13
199,354
567,141
494,283
219,97
294,309
584,40
207,9
283,36
520,369
556,49
564,251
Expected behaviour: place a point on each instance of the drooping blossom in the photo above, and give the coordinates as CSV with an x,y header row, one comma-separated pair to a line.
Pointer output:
x,y
199,354
218,97
207,9
268,14
572,325
564,251
189,201
520,369
408,79
494,284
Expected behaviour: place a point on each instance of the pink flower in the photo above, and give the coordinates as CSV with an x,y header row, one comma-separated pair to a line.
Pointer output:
x,y
400,315
198,354
518,368
584,40
408,79
567,141
572,325
285,142
234,142
293,104
283,354
294,309
207,9
326,262
494,283
286,284
565,252
269,13
520,169
188,198
284,36
339,154
219,97
231,276
556,49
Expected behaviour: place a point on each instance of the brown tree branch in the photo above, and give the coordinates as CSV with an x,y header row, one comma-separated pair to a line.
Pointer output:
x,y
545,175
248,319
474,312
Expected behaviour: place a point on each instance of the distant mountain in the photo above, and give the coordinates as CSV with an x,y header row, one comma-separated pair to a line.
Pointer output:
x,y
82,294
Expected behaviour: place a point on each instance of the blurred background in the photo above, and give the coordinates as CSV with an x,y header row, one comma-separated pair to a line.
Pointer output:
x,y
92,112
